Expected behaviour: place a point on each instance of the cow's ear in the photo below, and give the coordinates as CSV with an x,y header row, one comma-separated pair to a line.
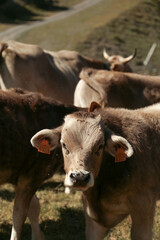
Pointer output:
x,y
51,136
114,142
93,106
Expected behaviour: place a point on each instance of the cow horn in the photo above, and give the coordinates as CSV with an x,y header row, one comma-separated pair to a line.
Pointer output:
x,y
128,59
105,54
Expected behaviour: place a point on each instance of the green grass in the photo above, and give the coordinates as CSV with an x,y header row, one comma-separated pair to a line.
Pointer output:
x,y
17,12
68,32
134,29
120,28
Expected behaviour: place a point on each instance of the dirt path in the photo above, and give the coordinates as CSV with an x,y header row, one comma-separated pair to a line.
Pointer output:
x,y
16,32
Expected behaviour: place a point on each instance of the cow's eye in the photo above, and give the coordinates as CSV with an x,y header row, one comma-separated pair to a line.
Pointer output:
x,y
65,148
99,149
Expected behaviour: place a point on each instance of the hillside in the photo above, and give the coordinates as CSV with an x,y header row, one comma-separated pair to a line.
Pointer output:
x,y
137,28
66,33
13,12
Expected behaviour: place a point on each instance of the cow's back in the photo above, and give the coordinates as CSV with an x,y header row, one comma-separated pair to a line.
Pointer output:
x,y
21,116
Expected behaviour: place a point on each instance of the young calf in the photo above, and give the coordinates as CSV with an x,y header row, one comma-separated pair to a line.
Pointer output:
x,y
112,156
21,116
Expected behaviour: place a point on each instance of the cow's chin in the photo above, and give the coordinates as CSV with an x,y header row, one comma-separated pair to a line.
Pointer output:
x,y
81,188
78,188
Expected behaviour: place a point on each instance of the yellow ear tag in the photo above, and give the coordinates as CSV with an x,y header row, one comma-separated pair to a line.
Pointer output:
x,y
44,147
120,155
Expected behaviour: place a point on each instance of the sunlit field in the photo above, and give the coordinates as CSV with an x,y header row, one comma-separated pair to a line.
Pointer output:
x,y
61,215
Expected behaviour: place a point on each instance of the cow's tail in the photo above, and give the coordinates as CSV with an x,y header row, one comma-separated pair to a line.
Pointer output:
x,y
86,75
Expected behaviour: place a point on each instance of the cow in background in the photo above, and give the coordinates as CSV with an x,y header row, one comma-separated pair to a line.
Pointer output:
x,y
116,89
112,156
119,63
22,114
54,74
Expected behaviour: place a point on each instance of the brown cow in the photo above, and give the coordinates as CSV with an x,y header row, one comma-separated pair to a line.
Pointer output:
x,y
119,63
112,156
55,74
21,116
116,89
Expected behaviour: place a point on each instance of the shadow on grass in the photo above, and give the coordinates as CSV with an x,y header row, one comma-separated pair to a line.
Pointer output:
x,y
13,13
50,185
9,195
69,226
6,195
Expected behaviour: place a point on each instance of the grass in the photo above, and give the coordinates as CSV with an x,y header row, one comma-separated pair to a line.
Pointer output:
x,y
134,29
120,28
61,215
18,12
68,32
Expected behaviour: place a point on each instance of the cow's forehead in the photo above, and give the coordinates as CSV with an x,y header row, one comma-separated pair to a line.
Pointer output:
x,y
82,127
82,120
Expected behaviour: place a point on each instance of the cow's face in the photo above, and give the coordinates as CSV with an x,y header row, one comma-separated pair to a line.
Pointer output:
x,y
83,141
119,63
83,138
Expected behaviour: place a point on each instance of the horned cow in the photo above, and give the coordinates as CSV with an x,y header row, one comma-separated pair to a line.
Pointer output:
x,y
112,156
119,63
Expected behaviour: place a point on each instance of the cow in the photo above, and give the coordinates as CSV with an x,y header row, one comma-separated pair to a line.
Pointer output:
x,y
22,114
112,156
54,74
116,89
119,63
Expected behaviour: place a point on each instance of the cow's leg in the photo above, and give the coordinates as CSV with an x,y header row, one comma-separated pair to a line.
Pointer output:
x,y
33,215
23,196
142,218
94,231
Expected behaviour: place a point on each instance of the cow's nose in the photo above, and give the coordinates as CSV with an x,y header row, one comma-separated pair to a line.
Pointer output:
x,y
80,177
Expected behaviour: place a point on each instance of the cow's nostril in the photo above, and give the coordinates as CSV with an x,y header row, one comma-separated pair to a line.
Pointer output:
x,y
71,175
87,177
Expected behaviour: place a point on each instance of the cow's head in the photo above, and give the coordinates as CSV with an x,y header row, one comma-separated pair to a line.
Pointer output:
x,y
83,138
119,63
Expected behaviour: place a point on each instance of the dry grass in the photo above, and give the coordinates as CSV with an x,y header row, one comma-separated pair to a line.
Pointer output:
x,y
61,215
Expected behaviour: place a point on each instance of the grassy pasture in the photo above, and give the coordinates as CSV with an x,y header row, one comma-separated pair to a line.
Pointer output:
x,y
17,12
68,32
138,28
61,215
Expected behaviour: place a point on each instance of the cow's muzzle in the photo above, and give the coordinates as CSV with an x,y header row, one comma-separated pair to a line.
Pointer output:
x,y
79,179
